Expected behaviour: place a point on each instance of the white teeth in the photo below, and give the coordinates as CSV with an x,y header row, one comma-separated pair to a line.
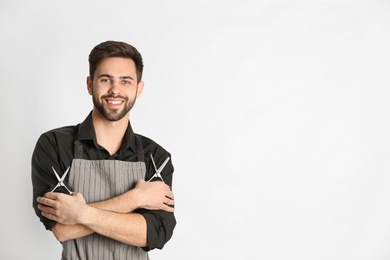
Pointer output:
x,y
115,102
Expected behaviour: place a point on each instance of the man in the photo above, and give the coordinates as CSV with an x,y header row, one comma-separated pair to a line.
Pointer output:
x,y
91,182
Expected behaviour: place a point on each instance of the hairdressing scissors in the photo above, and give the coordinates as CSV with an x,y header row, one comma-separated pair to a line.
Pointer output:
x,y
61,180
157,174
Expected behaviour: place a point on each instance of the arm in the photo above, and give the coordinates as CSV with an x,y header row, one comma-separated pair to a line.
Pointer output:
x,y
109,217
160,223
111,224
46,155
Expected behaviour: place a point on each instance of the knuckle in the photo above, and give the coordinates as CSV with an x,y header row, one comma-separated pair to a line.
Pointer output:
x,y
55,205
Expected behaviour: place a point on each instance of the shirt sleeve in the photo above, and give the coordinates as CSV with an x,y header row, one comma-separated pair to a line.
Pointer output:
x,y
45,156
160,224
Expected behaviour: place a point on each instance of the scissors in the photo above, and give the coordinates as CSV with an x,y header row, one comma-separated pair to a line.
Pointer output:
x,y
157,174
61,180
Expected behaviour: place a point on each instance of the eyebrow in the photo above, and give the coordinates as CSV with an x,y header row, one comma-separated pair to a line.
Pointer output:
x,y
111,77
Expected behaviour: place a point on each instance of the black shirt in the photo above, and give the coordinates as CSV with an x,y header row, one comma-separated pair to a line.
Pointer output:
x,y
56,149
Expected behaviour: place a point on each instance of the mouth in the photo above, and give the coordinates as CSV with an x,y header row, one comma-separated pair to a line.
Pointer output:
x,y
114,102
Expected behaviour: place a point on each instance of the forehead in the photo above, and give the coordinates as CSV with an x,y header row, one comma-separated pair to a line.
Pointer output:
x,y
116,66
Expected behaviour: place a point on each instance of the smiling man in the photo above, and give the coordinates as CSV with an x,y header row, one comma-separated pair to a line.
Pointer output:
x,y
96,185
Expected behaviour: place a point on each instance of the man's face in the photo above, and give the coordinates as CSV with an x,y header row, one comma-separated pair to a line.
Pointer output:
x,y
114,88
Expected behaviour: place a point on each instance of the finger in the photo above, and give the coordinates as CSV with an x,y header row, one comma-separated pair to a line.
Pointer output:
x,y
170,195
169,208
52,195
49,216
45,209
45,201
169,201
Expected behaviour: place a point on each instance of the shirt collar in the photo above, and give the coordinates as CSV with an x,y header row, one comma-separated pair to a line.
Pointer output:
x,y
87,132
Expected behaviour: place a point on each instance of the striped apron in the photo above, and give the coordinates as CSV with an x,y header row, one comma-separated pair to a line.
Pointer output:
x,y
100,180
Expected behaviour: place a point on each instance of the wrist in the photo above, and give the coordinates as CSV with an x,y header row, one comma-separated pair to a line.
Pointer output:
x,y
86,214
132,200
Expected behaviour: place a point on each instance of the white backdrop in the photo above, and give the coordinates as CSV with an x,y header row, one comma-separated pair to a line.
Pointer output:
x,y
276,114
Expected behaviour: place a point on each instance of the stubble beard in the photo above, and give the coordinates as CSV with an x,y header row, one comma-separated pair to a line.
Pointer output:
x,y
112,114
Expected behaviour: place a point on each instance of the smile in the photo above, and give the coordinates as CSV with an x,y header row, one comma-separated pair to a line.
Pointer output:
x,y
114,102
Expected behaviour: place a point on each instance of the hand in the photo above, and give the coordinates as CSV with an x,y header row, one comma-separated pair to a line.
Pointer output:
x,y
154,195
62,208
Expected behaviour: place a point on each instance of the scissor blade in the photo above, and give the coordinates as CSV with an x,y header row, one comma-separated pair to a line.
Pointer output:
x,y
163,165
154,164
58,177
66,172
158,171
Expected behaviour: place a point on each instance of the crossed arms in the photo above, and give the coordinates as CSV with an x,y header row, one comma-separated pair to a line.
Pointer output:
x,y
140,216
115,218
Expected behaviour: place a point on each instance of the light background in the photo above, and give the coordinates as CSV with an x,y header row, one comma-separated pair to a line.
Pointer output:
x,y
276,114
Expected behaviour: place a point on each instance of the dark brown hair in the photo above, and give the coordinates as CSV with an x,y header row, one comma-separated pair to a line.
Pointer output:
x,y
115,49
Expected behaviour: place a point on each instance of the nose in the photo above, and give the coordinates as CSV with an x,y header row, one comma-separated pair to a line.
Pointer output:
x,y
114,90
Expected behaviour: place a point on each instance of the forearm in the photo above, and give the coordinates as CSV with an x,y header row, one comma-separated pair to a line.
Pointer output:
x,y
108,224
126,228
124,203
64,232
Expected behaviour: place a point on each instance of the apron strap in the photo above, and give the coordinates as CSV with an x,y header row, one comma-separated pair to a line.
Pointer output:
x,y
140,150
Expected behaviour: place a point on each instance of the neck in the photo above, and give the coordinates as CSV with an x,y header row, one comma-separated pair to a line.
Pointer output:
x,y
109,134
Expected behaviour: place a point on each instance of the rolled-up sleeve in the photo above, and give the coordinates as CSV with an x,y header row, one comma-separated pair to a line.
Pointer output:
x,y
160,225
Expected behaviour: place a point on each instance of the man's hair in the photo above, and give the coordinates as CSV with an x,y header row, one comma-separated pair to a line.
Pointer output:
x,y
115,49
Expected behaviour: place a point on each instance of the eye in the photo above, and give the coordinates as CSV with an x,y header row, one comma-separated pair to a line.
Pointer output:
x,y
105,80
126,82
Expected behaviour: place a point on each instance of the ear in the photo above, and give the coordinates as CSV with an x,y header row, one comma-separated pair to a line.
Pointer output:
x,y
89,85
140,87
